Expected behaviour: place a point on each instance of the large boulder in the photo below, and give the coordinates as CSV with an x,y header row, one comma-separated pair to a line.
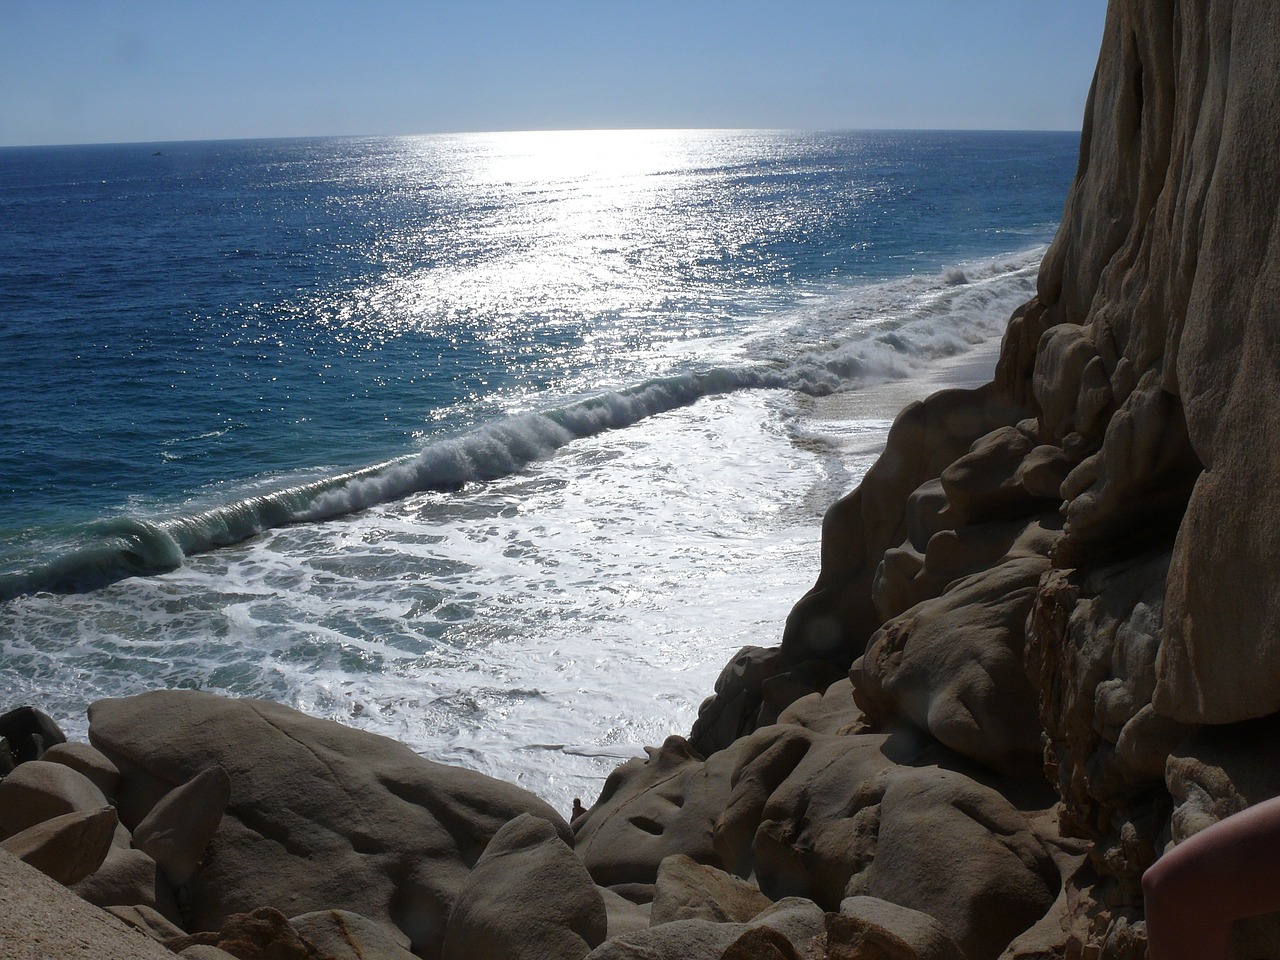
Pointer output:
x,y
320,815
39,790
67,848
664,804
688,890
528,898
43,919
954,666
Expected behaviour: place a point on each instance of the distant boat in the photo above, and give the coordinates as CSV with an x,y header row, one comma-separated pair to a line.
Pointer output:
x,y
157,154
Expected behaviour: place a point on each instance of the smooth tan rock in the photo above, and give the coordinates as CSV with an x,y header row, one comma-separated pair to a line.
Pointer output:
x,y
262,934
178,830
202,951
67,848
320,814
954,666
681,940
129,878
831,712
653,808
867,925
528,898
147,920
836,616
688,890
935,841
343,935
624,915
39,790
86,760
43,920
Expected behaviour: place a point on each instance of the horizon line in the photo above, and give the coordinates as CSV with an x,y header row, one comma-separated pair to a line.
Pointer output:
x,y
462,133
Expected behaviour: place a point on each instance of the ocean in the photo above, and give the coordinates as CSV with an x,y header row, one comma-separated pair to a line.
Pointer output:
x,y
498,444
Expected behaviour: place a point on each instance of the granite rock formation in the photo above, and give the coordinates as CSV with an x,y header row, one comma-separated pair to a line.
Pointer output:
x,y
1043,646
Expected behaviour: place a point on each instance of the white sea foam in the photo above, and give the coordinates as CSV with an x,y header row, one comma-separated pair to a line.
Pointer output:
x,y
554,618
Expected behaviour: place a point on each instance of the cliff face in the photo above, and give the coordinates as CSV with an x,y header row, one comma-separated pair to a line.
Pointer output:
x,y
1093,541
1169,258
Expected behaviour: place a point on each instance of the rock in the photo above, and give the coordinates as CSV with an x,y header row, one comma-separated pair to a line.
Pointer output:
x,y
831,712
983,486
653,808
731,711
835,618
39,790
681,940
529,897
320,814
84,759
25,734
178,830
202,951
954,666
688,890
66,848
935,841
1091,648
1132,493
43,920
877,928
342,935
799,920
148,921
128,878
624,915
262,934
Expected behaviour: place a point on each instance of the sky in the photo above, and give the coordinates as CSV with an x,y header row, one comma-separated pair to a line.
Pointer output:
x,y
80,71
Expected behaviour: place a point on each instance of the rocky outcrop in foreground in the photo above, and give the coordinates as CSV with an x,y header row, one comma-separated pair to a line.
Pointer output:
x,y
1044,645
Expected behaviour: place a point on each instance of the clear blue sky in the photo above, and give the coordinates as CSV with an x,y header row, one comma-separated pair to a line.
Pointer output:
x,y
81,71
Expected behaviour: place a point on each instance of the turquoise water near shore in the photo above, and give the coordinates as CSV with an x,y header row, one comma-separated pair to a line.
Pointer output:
x,y
499,444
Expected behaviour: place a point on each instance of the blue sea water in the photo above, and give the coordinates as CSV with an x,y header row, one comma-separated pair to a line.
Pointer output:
x,y
496,443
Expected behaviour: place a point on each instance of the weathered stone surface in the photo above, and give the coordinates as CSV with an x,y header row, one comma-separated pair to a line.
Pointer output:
x,y
625,916
528,898
343,935
983,486
86,760
66,848
752,690
319,814
148,921
38,790
262,934
688,890
799,784
836,616
178,830
1133,491
653,808
867,926
825,817
681,940
954,666
43,920
1091,651
129,878
831,712
937,842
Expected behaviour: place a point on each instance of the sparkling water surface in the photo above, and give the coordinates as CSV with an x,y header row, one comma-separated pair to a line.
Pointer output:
x,y
500,444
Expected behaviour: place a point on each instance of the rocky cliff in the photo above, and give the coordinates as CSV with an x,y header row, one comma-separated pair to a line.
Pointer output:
x,y
1078,566
1044,645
